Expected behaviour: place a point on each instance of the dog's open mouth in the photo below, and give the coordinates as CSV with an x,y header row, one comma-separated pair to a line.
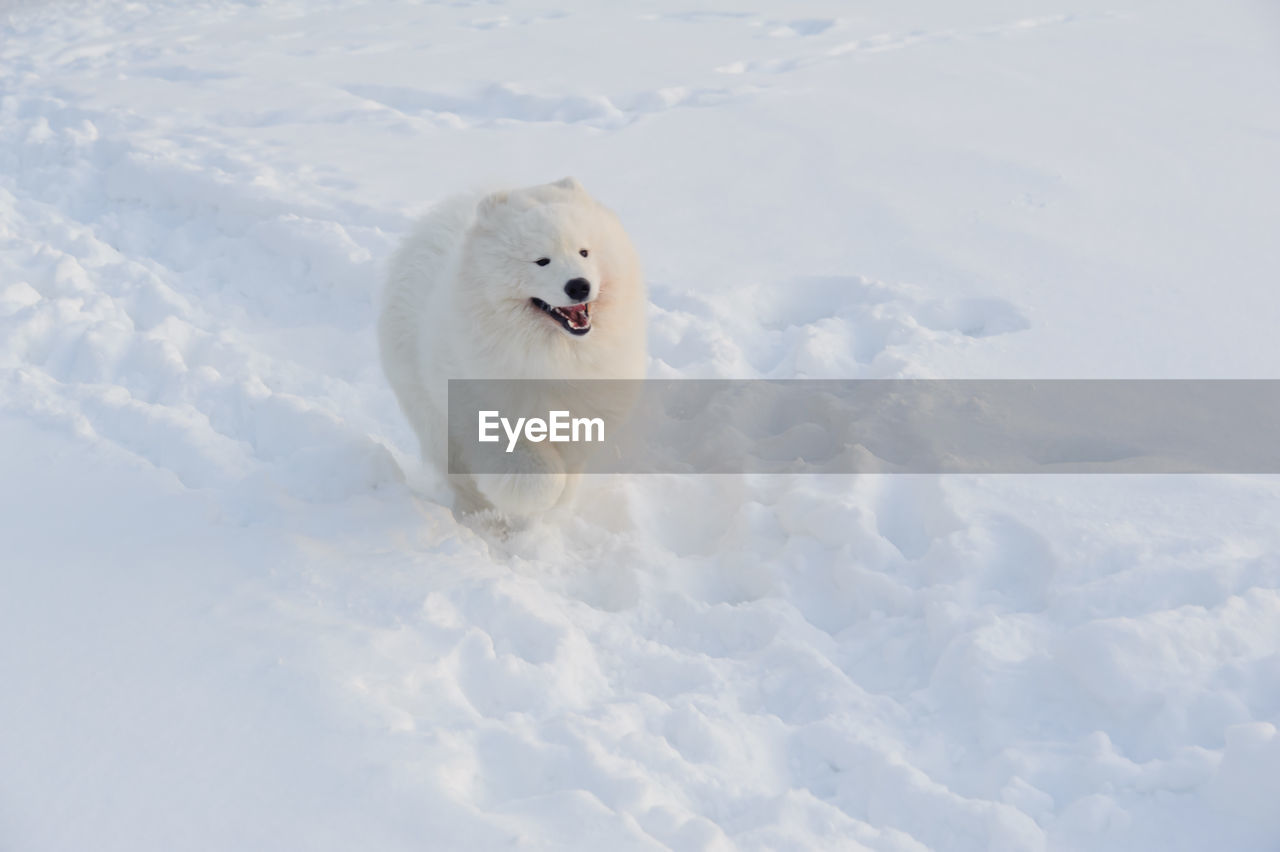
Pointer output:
x,y
576,319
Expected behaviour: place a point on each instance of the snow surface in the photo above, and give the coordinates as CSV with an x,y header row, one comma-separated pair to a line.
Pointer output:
x,y
230,621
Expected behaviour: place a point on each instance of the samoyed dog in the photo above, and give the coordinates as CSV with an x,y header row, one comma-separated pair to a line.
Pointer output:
x,y
534,283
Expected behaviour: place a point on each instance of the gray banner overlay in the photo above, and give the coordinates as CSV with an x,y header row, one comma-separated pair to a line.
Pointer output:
x,y
867,426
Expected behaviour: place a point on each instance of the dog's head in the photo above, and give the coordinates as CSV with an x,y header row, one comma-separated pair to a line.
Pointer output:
x,y
541,250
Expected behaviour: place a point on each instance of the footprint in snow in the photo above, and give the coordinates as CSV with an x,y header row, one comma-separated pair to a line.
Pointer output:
x,y
849,327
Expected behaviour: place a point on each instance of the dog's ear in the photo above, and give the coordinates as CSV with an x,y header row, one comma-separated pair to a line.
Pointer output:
x,y
491,203
569,183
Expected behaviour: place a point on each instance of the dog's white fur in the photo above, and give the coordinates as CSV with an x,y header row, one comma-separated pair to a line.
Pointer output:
x,y
457,305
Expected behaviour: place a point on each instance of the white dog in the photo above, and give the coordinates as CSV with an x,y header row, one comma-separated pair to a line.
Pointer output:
x,y
536,283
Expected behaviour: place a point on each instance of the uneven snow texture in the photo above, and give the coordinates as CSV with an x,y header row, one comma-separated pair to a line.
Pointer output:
x,y
236,615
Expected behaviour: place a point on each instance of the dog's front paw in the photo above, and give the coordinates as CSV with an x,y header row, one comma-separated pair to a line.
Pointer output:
x,y
535,485
519,494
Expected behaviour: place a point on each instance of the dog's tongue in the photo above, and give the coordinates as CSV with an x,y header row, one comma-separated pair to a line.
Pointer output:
x,y
577,315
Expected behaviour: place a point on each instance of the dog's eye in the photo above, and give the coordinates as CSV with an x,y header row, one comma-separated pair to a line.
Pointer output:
x,y
582,252
543,261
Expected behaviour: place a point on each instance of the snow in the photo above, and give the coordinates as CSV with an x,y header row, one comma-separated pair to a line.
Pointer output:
x,y
236,615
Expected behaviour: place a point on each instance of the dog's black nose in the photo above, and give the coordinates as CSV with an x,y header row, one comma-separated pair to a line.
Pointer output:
x,y
578,289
